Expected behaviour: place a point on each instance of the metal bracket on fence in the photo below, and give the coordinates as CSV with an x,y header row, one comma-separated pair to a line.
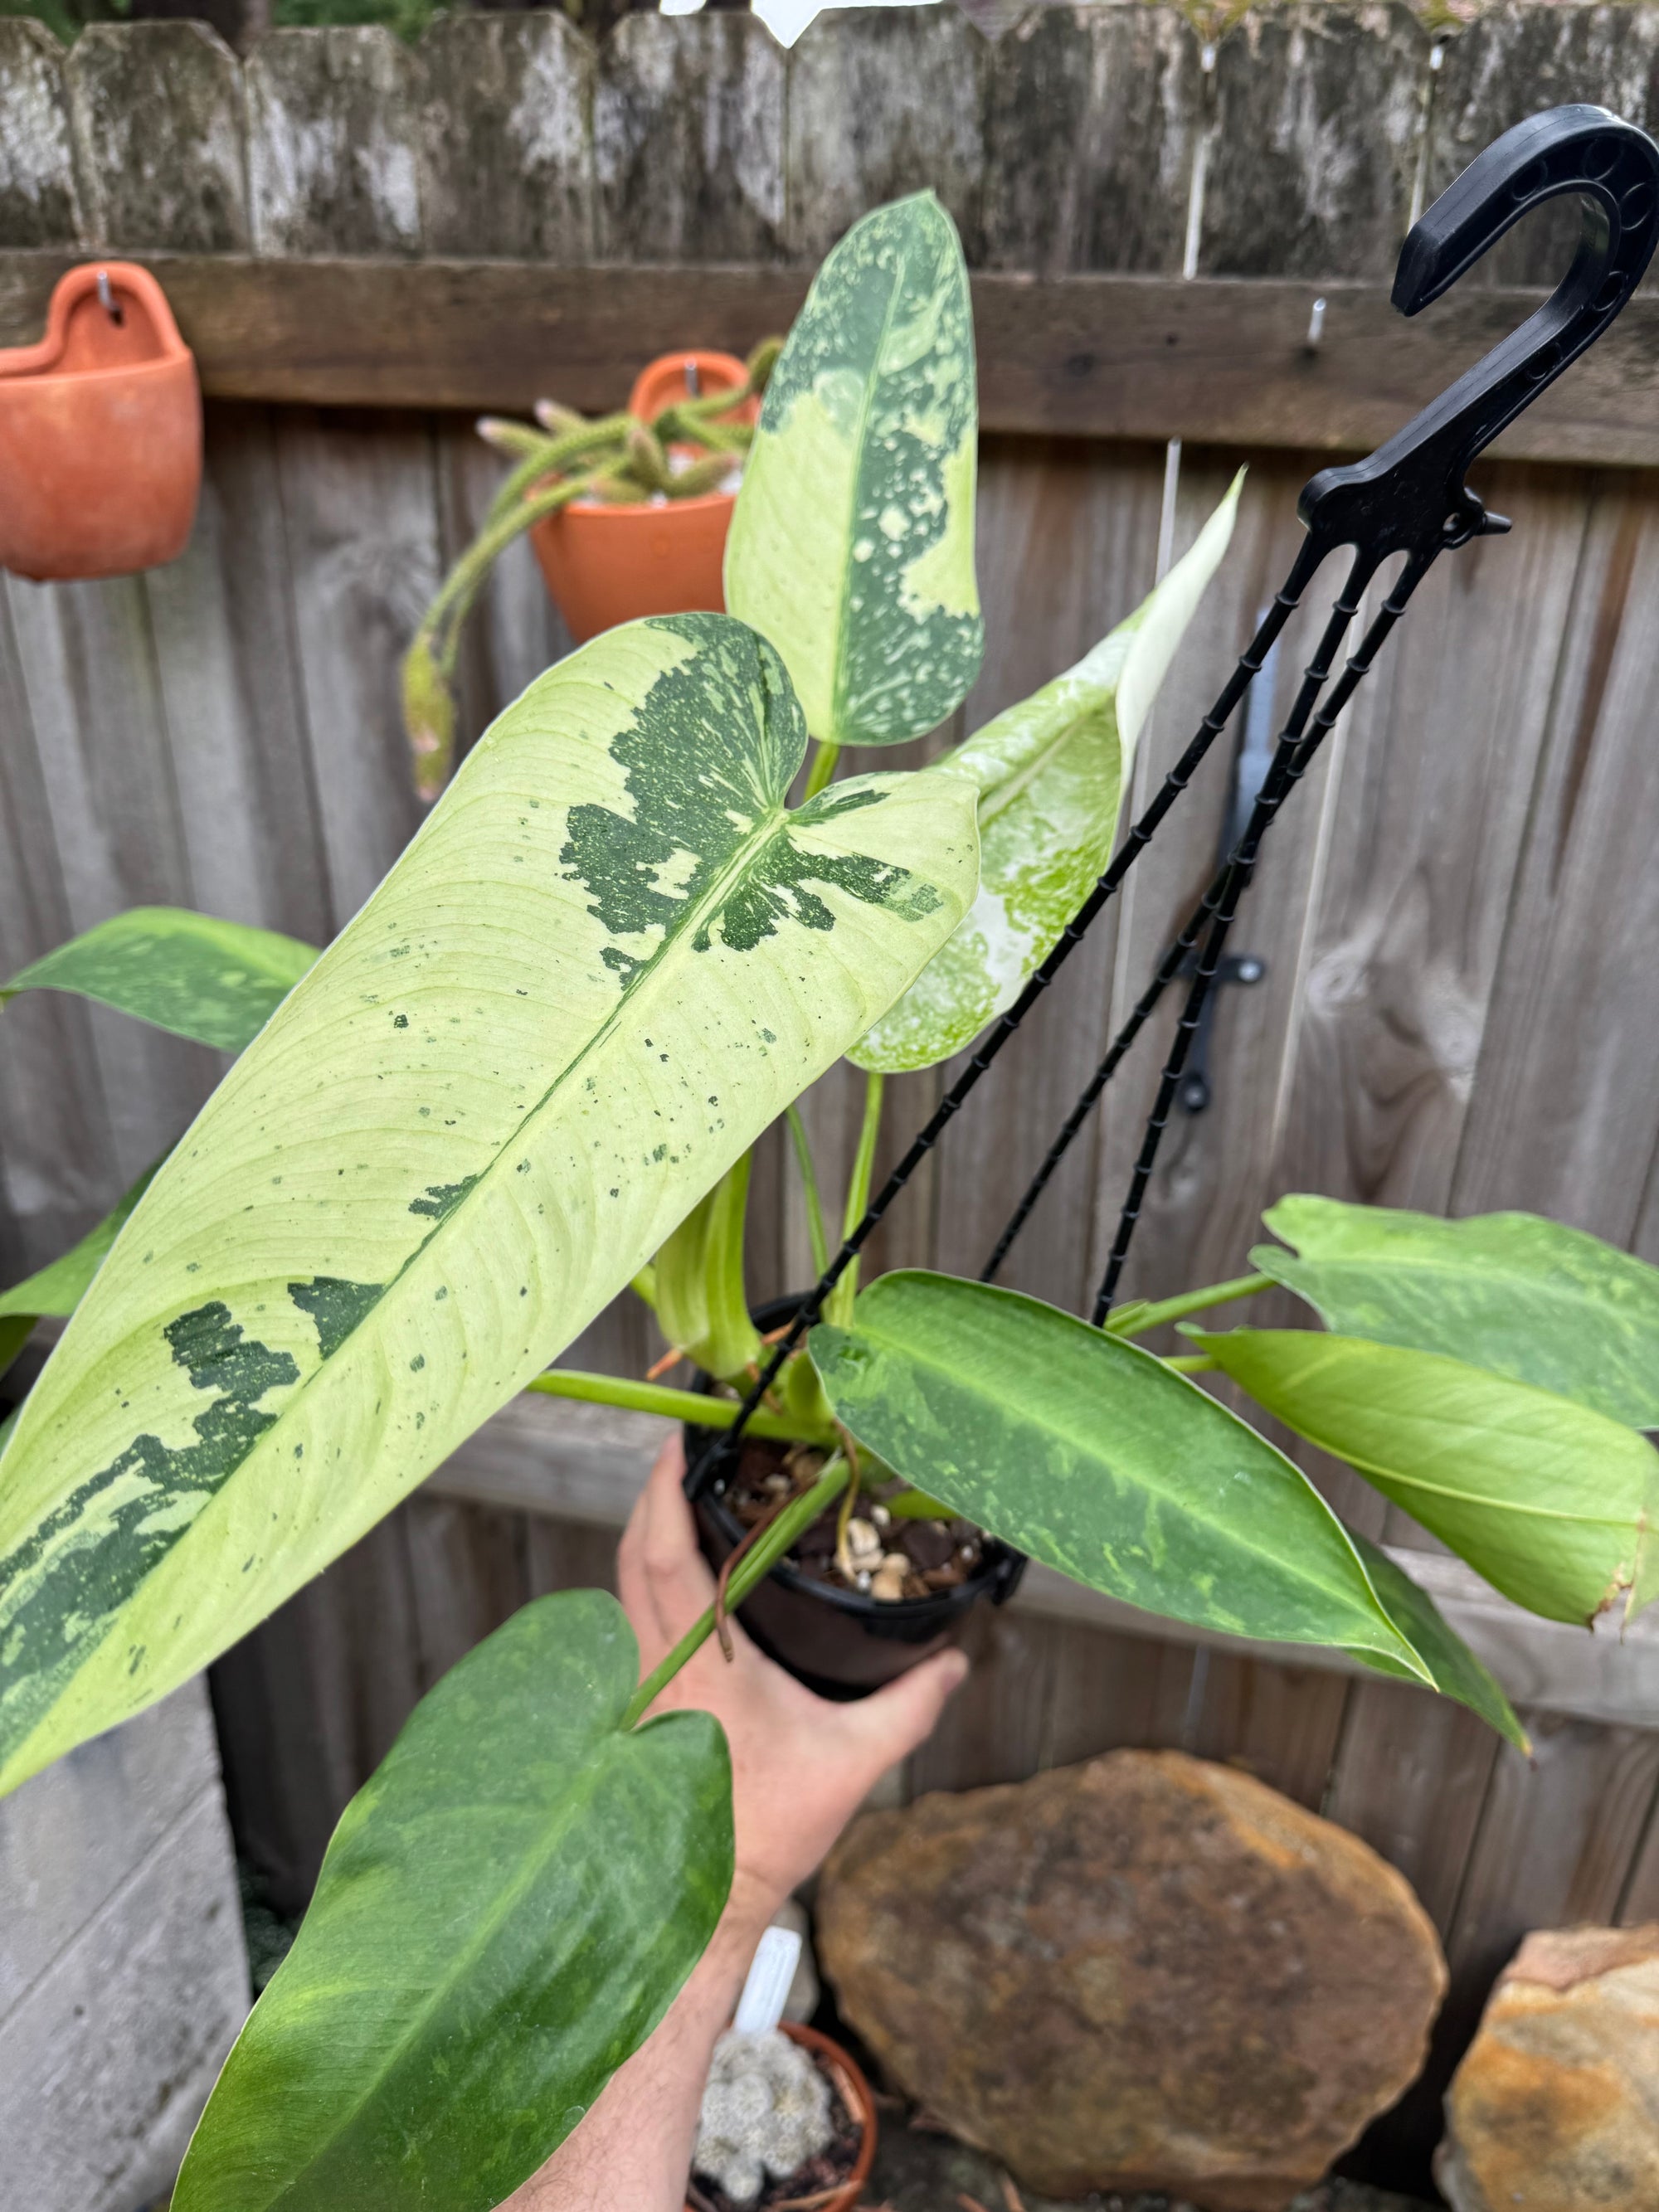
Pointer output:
x,y
1251,764
1409,499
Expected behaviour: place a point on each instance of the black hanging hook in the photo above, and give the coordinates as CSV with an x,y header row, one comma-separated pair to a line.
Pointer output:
x,y
1410,496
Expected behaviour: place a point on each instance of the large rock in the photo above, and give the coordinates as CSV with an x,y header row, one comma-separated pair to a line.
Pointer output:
x,y
1145,1972
1555,2108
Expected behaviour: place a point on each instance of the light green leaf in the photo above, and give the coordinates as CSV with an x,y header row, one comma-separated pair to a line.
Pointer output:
x,y
217,981
58,1289
1050,774
1526,1298
1092,1456
1456,1670
1552,1502
609,958
506,1912
696,1283
852,548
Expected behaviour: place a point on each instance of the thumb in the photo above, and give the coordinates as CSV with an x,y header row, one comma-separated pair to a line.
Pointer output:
x,y
891,1724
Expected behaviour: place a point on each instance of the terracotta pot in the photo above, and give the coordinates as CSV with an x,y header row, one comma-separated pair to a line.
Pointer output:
x,y
854,2093
606,565
100,432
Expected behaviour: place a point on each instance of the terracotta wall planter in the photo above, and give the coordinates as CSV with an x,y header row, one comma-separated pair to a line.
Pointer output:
x,y
100,432
606,565
854,2093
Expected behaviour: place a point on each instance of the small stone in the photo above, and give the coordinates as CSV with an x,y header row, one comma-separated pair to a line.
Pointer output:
x,y
887,1583
1146,1972
1556,2104
880,1515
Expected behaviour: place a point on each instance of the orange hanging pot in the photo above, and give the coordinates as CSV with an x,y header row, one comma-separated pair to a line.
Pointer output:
x,y
604,564
100,432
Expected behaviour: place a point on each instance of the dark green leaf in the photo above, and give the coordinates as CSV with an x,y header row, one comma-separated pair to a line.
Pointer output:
x,y
506,1912
1457,1673
16,1330
1523,1296
1552,1502
1094,1456
217,981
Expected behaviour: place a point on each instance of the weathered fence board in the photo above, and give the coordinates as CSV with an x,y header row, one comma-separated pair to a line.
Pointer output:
x,y
1457,910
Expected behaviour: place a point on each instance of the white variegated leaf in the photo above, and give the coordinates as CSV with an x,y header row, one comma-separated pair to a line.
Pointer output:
x,y
607,961
1051,773
852,548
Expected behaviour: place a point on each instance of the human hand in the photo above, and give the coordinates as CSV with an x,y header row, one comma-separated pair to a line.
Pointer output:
x,y
800,1765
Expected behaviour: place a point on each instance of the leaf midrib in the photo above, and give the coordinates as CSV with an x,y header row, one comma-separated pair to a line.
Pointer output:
x,y
1249,1550
1018,784
483,1934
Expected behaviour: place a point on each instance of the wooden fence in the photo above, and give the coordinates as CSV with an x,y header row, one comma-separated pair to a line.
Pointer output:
x,y
1458,914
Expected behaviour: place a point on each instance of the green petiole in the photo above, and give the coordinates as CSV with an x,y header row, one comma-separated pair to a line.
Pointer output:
x,y
701,1411
768,1549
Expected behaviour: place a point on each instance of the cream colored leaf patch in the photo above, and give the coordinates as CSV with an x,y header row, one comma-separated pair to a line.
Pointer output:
x,y
1050,774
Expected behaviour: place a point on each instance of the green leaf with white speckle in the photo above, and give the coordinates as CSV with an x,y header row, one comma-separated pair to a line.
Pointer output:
x,y
609,957
852,548
1526,1298
1050,774
217,981
1099,1459
506,1912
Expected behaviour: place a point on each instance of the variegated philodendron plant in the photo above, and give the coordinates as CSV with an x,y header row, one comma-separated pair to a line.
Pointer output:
x,y
532,1071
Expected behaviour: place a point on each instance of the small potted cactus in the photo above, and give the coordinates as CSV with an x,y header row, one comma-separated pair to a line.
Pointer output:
x,y
788,2123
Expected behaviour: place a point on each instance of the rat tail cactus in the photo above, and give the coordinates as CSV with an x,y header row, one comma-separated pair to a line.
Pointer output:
x,y
765,2112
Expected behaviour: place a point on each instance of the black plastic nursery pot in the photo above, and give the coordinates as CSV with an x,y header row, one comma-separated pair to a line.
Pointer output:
x,y
841,1642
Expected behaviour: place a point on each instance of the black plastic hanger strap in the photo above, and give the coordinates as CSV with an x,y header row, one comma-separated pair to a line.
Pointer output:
x,y
1140,836
1238,881
1276,782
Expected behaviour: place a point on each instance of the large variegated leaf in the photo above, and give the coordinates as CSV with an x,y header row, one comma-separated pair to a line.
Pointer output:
x,y
217,981
609,958
1526,1298
1051,773
1553,1503
505,1913
1100,1460
852,547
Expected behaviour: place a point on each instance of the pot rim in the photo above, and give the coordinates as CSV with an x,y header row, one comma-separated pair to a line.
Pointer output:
x,y
854,2093
14,381
988,1580
638,510
32,364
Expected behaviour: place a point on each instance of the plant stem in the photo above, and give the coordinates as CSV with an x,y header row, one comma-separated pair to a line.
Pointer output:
x,y
809,1176
1192,1302
838,1307
1192,1363
823,768
702,1411
799,1514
